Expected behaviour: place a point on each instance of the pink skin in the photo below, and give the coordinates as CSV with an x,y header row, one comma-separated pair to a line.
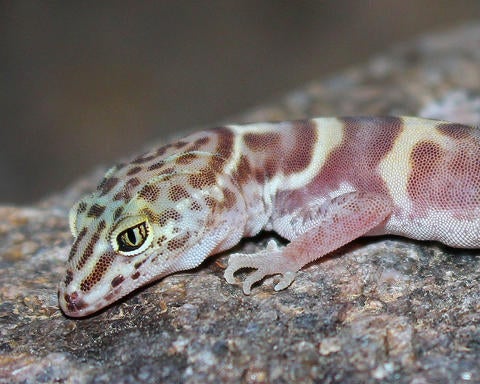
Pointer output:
x,y
318,183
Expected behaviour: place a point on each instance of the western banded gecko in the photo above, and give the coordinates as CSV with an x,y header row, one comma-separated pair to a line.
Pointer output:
x,y
318,183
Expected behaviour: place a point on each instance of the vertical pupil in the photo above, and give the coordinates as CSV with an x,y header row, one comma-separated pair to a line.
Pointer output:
x,y
131,236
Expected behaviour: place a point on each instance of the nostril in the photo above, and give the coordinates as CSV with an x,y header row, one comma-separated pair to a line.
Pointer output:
x,y
73,302
71,298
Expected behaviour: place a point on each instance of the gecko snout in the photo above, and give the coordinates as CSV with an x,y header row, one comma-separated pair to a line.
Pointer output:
x,y
72,304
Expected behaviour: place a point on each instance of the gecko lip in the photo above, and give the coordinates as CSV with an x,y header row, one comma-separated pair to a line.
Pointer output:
x,y
73,304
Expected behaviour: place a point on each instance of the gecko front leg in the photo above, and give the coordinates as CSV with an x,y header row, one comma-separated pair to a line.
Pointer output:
x,y
343,219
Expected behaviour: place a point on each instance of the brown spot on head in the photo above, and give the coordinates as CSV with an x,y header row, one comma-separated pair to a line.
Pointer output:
x,y
101,226
68,277
210,202
199,143
110,297
145,158
118,212
122,195
243,172
87,253
161,240
195,206
229,198
96,275
154,166
161,151
186,158
117,280
177,193
179,144
107,185
82,207
74,302
168,171
202,179
177,242
167,215
150,192
132,183
152,216
135,276
96,210
78,240
126,193
134,171
225,142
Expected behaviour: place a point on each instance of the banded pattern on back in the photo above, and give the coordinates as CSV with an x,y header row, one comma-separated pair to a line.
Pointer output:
x,y
170,208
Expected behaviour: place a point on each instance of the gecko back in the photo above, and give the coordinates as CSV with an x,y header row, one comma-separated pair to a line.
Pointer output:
x,y
318,183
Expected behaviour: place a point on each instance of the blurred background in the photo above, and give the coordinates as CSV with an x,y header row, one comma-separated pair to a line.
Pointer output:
x,y
86,83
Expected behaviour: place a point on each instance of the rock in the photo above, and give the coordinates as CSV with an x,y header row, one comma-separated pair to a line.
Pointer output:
x,y
386,308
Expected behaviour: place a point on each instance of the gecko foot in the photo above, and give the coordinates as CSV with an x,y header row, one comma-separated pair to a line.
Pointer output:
x,y
270,261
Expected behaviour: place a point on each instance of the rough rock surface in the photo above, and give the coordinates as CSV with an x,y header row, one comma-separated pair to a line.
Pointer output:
x,y
385,309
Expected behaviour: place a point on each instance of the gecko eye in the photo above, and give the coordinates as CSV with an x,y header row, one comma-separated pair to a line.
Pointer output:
x,y
132,236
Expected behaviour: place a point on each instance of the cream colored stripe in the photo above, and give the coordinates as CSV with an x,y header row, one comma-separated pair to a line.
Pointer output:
x,y
395,167
330,136
238,145
330,133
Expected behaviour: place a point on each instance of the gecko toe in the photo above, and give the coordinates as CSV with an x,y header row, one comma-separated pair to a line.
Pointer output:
x,y
252,279
285,281
235,263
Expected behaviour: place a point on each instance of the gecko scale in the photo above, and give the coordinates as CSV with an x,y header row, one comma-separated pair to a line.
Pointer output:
x,y
318,183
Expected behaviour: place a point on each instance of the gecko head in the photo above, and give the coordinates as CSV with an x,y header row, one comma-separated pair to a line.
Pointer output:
x,y
164,226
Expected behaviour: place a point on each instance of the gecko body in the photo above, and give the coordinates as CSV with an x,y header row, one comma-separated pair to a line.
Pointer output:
x,y
318,183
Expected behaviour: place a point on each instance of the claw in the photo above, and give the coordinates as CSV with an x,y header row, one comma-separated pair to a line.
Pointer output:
x,y
252,279
268,262
272,246
285,281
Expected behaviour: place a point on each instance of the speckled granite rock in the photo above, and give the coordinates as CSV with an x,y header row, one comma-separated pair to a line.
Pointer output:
x,y
379,310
